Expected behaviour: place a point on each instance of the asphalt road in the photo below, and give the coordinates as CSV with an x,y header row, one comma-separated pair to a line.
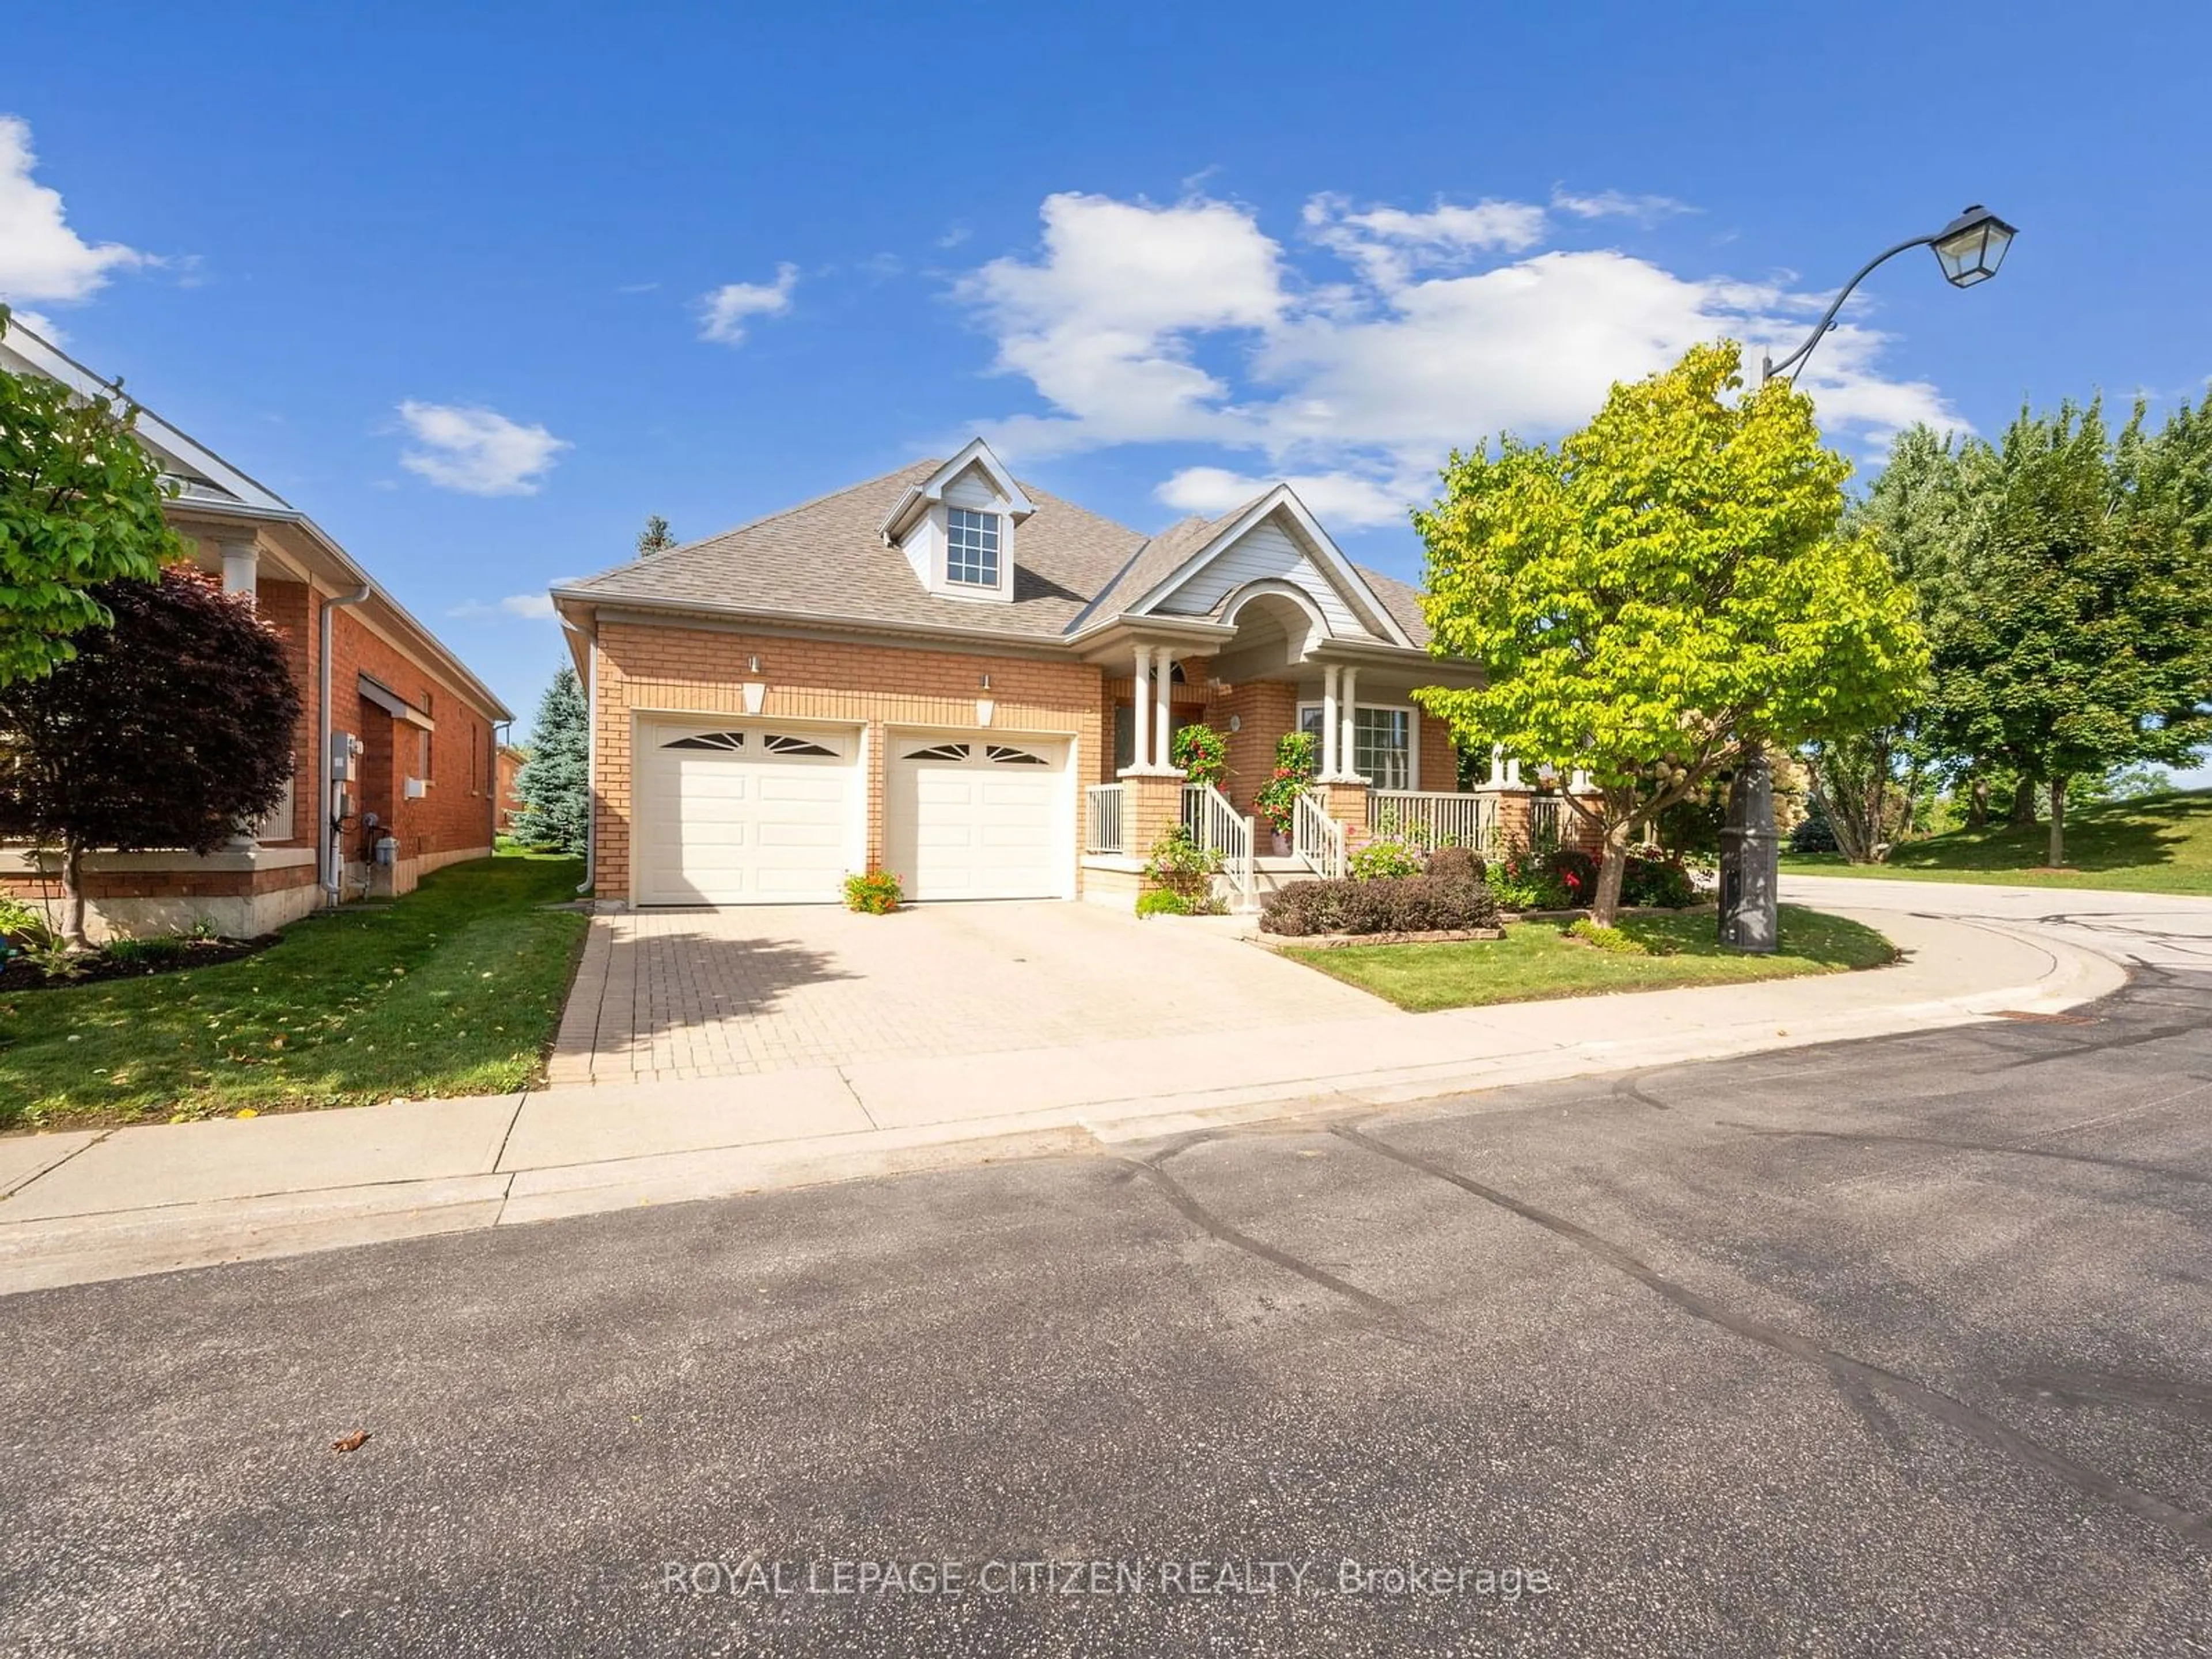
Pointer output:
x,y
1893,1347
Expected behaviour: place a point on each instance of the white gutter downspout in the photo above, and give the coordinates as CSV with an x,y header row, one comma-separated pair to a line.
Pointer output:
x,y
326,832
591,761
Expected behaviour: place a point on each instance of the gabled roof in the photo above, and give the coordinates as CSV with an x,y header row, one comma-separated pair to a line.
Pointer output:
x,y
201,475
1199,550
1155,561
209,489
932,488
827,561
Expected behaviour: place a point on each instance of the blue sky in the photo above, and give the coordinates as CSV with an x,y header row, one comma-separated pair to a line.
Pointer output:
x,y
480,288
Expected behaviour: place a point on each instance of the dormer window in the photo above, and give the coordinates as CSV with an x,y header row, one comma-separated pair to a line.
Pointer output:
x,y
971,548
959,527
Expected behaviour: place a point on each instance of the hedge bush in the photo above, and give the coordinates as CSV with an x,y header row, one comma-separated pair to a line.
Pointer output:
x,y
1412,904
1455,864
1814,835
1657,882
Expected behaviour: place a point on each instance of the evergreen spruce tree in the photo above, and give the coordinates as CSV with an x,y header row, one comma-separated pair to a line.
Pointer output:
x,y
655,537
555,782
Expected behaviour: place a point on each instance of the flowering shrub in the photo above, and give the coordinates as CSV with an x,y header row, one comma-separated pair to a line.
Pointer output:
x,y
1387,858
1522,880
1577,872
1200,753
1179,878
1293,770
876,894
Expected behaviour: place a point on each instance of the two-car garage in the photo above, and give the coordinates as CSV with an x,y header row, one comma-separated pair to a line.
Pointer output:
x,y
773,813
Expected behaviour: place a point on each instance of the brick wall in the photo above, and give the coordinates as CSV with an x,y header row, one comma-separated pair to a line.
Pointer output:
x,y
1265,710
1439,762
456,814
696,671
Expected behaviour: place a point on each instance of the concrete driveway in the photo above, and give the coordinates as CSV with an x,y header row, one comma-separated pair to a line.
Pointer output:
x,y
669,994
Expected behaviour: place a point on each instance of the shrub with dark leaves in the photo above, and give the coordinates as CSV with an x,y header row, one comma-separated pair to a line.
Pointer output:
x,y
1658,881
1815,834
1451,864
1412,904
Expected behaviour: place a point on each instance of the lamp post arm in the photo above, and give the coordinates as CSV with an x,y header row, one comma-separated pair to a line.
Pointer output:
x,y
1769,369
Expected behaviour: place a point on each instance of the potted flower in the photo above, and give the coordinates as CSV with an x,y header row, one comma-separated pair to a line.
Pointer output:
x,y
1277,799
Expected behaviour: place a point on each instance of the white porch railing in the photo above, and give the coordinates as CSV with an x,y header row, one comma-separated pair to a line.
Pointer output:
x,y
1434,818
1217,826
1317,838
1103,818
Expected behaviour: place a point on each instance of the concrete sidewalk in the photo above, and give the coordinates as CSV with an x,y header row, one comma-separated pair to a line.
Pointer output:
x,y
93,1205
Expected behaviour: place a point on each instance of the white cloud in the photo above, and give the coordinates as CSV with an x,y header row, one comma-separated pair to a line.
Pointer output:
x,y
1616,204
478,452
1101,324
723,313
1423,331
534,607
1345,498
41,257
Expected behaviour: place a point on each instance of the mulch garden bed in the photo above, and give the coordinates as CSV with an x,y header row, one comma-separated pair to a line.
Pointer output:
x,y
18,974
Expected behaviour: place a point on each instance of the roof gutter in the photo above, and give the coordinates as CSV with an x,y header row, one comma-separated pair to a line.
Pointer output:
x,y
328,824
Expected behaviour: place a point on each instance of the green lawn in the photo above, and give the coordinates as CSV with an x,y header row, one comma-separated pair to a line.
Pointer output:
x,y
2159,844
453,990
1535,960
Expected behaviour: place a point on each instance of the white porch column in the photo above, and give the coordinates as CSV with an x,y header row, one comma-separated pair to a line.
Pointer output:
x,y
1328,720
1348,746
241,566
1141,752
1497,765
1164,721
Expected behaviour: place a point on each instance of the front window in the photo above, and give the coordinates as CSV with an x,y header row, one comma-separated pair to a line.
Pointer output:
x,y
1382,747
971,548
1382,743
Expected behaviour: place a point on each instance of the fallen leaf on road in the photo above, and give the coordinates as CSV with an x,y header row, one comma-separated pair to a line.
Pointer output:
x,y
351,1442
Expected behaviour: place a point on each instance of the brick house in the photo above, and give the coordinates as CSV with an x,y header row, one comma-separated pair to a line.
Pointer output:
x,y
397,723
509,804
948,674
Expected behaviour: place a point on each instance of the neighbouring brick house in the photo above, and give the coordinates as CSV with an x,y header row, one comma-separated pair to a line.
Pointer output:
x,y
952,676
509,807
406,727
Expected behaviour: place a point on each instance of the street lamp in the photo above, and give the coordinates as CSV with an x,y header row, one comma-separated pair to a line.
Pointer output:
x,y
1969,249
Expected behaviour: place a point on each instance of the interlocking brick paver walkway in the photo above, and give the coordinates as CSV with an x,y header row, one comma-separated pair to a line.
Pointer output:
x,y
665,994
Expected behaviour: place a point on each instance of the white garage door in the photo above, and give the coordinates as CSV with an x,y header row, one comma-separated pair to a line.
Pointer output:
x,y
980,818
751,815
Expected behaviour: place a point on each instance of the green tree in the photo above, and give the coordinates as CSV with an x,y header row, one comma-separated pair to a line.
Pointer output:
x,y
654,537
80,505
555,782
170,727
2077,632
1667,588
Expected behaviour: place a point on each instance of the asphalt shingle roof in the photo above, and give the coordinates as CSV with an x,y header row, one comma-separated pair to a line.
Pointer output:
x,y
825,559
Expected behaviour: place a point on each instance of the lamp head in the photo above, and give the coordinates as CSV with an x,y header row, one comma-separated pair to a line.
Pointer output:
x,y
1972,246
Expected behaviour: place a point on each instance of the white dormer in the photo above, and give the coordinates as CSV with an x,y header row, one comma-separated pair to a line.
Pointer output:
x,y
957,526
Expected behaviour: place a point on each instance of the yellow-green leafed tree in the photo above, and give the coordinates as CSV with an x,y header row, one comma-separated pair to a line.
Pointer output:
x,y
1669,587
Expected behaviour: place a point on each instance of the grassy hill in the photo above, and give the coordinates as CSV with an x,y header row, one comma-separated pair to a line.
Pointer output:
x,y
2159,844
